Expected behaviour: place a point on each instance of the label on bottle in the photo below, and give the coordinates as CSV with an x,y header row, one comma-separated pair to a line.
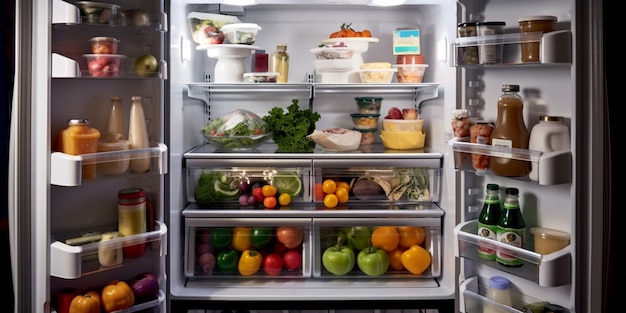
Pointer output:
x,y
485,250
513,237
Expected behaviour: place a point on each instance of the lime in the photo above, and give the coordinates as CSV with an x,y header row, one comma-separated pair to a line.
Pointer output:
x,y
287,183
224,189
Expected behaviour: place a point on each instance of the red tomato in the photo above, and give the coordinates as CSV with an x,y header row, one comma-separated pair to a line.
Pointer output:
x,y
273,264
258,194
292,260
270,202
279,248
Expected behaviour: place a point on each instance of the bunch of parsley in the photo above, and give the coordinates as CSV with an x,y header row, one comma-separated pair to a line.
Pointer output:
x,y
289,129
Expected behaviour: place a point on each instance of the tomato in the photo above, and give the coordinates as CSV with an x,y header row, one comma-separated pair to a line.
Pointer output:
x,y
342,195
329,186
279,248
319,192
273,264
284,199
257,193
292,260
291,237
269,190
269,202
331,200
343,184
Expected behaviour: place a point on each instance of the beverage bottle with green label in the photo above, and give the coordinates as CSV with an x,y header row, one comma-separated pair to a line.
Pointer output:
x,y
511,229
488,221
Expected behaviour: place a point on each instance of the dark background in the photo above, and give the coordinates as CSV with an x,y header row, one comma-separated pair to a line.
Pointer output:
x,y
611,65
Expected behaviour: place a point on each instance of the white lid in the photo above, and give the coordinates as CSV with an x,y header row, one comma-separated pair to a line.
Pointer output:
x,y
253,74
408,65
104,39
240,26
537,18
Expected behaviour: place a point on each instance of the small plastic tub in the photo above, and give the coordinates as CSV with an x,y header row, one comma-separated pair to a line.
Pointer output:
x,y
240,33
264,77
395,125
377,75
104,65
549,240
367,135
104,45
365,121
368,105
410,73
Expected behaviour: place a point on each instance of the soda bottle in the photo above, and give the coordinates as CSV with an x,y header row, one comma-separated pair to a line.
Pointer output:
x,y
511,228
488,221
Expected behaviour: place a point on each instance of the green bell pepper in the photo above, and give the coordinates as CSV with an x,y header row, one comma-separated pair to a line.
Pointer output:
x,y
221,237
227,261
261,237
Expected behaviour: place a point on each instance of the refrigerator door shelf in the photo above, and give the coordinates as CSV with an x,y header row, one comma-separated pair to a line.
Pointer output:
x,y
554,167
547,270
66,170
74,261
474,300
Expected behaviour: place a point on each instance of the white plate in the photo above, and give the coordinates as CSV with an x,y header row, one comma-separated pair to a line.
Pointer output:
x,y
228,50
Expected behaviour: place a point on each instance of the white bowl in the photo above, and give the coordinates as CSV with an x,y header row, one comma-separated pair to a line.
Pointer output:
x,y
359,44
332,53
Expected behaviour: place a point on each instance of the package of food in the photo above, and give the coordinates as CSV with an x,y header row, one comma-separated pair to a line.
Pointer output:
x,y
206,27
239,122
336,139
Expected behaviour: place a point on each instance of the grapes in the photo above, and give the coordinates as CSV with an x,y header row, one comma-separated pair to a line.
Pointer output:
x,y
243,200
251,200
243,188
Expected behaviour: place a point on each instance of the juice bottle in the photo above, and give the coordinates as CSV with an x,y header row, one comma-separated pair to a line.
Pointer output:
x,y
510,132
488,221
138,136
79,138
511,229
279,63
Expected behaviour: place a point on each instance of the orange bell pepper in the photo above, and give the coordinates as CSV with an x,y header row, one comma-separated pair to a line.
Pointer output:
x,y
87,303
117,295
386,238
416,259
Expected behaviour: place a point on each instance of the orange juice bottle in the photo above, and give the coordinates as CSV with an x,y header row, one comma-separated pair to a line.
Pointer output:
x,y
79,138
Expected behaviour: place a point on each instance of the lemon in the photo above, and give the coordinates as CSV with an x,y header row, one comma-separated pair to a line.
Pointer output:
x,y
287,183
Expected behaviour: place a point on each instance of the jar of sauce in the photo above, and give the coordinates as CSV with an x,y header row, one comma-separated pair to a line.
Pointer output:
x,y
78,138
480,133
498,291
279,63
131,216
533,24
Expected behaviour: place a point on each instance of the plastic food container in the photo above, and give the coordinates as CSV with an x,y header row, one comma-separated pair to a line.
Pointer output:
x,y
332,53
206,28
549,240
365,121
367,136
241,33
97,13
104,65
368,105
396,125
402,140
377,76
410,73
265,77
532,24
104,45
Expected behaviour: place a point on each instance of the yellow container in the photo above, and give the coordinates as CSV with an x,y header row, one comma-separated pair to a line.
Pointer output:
x,y
549,240
397,125
403,139
78,138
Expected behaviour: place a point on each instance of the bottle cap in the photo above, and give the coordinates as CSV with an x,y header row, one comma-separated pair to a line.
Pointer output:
x,y
493,187
78,121
548,118
512,191
499,282
510,88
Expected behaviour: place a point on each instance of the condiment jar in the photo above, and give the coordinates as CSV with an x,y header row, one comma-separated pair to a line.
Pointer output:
x,y
480,133
131,215
461,123
279,63
548,136
498,291
533,24
78,138
490,54
468,54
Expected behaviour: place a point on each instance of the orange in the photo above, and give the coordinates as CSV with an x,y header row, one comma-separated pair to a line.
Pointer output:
x,y
395,259
329,186
330,200
269,190
343,184
386,238
342,195
411,235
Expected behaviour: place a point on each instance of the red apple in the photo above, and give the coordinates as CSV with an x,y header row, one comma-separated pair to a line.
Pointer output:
x,y
394,114
409,114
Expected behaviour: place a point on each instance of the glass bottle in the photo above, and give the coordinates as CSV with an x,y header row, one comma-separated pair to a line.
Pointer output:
x,y
116,118
79,138
510,132
138,135
279,63
498,291
131,216
488,221
511,228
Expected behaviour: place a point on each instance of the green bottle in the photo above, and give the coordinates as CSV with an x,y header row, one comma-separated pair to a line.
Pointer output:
x,y
488,221
511,228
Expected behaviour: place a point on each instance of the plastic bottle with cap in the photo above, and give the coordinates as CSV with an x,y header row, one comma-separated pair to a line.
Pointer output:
x,y
498,291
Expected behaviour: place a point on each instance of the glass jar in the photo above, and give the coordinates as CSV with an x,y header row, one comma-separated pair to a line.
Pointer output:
x,y
489,53
78,138
498,291
532,24
480,133
131,216
468,54
279,63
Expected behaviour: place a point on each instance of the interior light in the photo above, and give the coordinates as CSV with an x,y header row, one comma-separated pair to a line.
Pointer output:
x,y
239,2
386,3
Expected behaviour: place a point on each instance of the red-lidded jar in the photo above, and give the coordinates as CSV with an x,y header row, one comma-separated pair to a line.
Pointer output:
x,y
410,59
131,215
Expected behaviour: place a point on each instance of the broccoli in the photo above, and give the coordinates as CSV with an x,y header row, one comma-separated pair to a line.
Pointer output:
x,y
213,187
289,130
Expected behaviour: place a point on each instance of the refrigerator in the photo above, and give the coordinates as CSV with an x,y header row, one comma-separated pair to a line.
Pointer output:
x,y
57,218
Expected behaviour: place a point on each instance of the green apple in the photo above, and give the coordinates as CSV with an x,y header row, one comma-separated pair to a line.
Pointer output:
x,y
373,261
146,64
330,236
360,237
339,260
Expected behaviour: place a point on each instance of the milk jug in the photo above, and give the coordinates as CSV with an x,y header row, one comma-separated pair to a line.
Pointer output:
x,y
548,136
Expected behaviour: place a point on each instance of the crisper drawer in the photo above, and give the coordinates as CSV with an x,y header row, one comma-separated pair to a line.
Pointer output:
x,y
389,247
237,248
383,180
214,181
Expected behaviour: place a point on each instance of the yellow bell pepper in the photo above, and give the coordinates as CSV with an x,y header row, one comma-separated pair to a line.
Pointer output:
x,y
87,303
241,238
250,262
416,259
117,295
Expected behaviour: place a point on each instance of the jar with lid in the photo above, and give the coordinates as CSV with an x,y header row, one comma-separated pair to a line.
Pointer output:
x,y
548,136
279,63
498,291
461,123
480,133
79,138
468,54
490,53
529,26
131,216
510,132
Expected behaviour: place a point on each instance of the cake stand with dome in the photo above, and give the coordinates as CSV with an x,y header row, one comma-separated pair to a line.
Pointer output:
x,y
230,65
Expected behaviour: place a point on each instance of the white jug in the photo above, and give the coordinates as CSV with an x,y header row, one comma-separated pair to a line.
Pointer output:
x,y
548,136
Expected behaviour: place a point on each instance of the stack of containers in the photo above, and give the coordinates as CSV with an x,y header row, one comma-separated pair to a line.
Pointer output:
x,y
104,60
366,119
